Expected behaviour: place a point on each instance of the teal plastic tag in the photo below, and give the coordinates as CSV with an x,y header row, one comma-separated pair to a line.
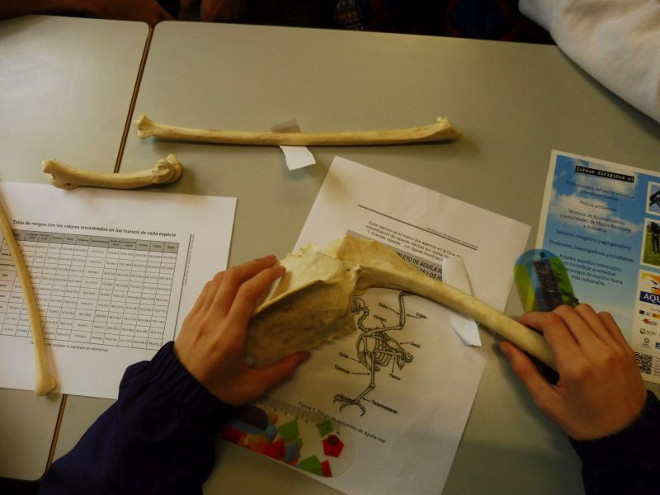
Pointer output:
x,y
542,281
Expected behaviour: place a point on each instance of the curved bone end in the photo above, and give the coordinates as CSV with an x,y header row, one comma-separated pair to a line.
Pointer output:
x,y
300,320
145,126
167,170
45,384
49,167
447,130
309,306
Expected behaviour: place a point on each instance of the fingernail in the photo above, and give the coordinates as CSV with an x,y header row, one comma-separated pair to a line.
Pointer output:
x,y
506,350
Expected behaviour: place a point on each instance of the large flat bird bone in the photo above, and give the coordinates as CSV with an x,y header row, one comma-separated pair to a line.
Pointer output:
x,y
310,304
441,130
68,177
44,381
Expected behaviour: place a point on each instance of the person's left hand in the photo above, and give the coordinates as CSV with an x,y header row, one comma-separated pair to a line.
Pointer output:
x,y
211,345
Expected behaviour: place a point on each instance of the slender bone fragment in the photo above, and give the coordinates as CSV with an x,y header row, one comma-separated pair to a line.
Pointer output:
x,y
311,303
67,177
44,381
441,130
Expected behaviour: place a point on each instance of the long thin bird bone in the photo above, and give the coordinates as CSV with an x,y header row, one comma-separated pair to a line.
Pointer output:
x,y
44,381
441,130
68,177
311,303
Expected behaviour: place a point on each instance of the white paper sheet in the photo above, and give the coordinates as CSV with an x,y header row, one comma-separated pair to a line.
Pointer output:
x,y
115,273
405,429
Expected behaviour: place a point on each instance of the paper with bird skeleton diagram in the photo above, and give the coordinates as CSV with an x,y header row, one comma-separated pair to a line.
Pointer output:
x,y
389,402
112,271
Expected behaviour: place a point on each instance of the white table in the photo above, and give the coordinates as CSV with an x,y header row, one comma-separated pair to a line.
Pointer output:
x,y
514,103
66,86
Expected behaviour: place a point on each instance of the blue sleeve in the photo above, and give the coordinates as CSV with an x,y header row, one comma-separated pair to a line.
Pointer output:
x,y
627,462
157,438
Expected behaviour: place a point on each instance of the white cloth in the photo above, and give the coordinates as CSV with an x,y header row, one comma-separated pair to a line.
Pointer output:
x,y
616,41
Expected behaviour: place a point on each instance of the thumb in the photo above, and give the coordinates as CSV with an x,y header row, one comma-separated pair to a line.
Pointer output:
x,y
523,367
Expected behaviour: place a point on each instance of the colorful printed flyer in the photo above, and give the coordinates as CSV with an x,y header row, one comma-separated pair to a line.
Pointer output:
x,y
602,220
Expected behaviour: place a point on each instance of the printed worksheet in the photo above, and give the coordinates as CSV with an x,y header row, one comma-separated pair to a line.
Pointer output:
x,y
602,219
114,272
383,409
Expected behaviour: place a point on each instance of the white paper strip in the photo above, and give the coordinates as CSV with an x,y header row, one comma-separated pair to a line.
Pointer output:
x,y
295,156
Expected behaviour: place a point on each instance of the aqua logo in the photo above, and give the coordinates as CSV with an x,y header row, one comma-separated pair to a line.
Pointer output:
x,y
649,298
650,288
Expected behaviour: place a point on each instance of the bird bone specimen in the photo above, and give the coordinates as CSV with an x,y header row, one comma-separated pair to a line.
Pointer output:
x,y
44,381
68,177
311,303
441,130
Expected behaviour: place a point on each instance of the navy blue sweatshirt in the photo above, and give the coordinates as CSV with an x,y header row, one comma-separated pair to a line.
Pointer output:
x,y
158,438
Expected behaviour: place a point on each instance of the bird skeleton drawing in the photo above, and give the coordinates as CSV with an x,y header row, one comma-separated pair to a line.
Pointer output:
x,y
311,304
376,348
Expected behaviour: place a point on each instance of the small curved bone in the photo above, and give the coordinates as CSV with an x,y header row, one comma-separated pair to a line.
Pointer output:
x,y
310,304
68,177
44,383
441,130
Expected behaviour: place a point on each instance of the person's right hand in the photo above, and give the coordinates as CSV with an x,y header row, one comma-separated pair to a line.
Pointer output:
x,y
600,389
211,345
148,11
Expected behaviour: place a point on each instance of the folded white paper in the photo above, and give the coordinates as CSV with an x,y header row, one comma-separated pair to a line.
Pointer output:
x,y
454,274
295,156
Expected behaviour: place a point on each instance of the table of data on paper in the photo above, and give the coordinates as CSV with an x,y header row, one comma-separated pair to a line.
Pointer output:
x,y
107,291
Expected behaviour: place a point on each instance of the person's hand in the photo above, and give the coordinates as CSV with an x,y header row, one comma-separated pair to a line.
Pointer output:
x,y
212,339
600,389
222,10
214,10
148,11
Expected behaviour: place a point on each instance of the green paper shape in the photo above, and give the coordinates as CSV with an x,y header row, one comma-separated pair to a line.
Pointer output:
x,y
311,465
289,431
325,428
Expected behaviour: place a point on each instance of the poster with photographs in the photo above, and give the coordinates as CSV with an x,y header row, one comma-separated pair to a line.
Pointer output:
x,y
603,220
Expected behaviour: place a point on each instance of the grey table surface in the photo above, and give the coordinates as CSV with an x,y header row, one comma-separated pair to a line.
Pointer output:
x,y
55,77
514,104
